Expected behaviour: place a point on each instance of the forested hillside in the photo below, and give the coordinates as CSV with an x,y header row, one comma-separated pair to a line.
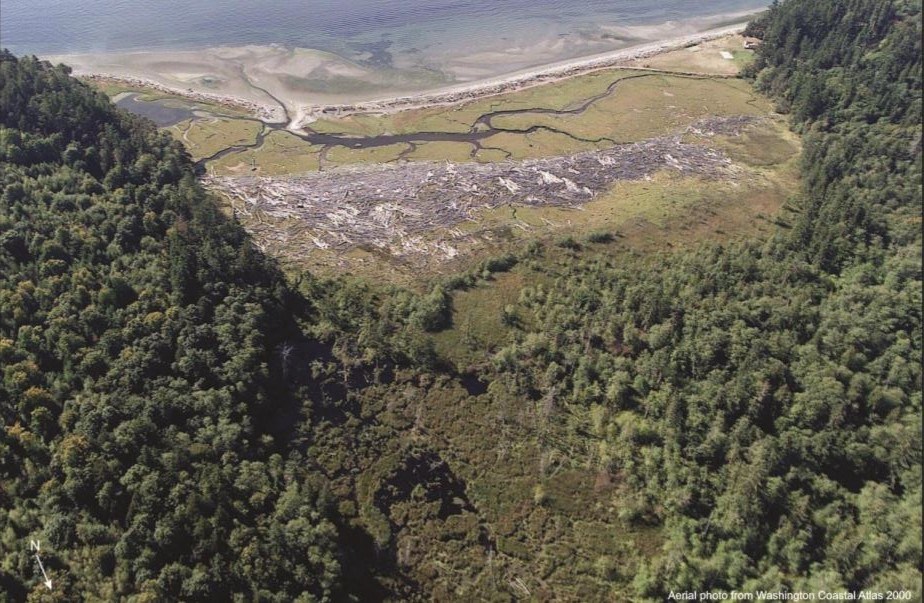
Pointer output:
x,y
183,422
142,387
762,401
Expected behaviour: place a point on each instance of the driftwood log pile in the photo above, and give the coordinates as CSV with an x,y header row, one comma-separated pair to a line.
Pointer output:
x,y
392,207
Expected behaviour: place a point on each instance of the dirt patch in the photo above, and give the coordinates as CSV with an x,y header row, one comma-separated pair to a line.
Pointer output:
x,y
706,57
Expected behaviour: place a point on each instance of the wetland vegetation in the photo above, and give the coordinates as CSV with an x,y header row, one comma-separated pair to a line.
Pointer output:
x,y
685,383
601,110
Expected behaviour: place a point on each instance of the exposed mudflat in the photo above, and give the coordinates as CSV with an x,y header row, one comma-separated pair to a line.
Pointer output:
x,y
393,207
294,85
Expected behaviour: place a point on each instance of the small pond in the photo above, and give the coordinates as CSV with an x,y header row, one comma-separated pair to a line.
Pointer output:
x,y
162,112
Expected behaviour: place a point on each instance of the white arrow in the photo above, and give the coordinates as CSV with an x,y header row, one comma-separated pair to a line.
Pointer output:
x,y
42,567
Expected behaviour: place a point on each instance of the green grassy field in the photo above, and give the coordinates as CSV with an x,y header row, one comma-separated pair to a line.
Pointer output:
x,y
640,107
460,118
347,156
647,107
280,153
205,137
435,151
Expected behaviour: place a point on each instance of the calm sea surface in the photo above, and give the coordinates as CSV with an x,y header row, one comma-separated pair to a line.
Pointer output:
x,y
342,26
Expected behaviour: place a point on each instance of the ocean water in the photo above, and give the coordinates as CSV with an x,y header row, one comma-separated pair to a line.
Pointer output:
x,y
346,27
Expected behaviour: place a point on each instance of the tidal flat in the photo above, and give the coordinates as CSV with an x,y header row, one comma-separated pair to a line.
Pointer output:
x,y
299,85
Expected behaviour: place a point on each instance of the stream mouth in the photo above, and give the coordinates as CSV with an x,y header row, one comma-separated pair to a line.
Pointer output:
x,y
353,142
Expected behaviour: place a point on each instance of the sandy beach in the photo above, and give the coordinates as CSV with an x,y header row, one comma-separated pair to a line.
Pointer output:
x,y
626,57
296,86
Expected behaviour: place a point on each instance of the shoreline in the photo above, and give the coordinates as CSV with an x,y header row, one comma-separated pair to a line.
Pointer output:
x,y
521,80
263,112
300,114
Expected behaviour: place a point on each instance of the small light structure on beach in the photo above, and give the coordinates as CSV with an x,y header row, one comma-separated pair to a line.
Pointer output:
x,y
726,55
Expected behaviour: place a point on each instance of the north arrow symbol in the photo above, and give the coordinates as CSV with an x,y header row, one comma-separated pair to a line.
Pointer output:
x,y
42,567
35,545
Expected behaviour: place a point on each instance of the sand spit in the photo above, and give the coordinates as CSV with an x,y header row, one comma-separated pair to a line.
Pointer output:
x,y
520,80
265,112
275,83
